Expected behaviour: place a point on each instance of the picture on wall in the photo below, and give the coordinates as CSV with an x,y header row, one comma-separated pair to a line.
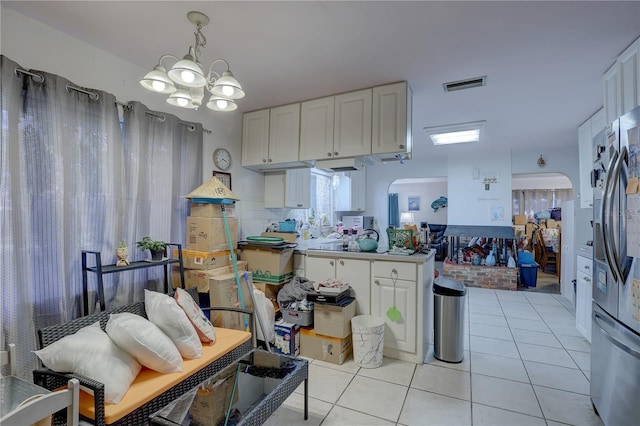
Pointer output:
x,y
413,203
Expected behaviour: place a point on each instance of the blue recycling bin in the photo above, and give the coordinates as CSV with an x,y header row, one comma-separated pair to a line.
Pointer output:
x,y
529,274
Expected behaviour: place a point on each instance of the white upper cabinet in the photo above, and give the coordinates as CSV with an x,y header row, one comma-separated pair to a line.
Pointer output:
x,y
284,134
392,110
316,129
586,132
352,124
350,193
255,138
298,189
621,83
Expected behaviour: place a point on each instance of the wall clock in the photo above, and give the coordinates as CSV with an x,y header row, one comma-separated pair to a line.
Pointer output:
x,y
222,158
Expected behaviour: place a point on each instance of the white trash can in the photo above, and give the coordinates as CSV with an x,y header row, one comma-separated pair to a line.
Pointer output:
x,y
367,333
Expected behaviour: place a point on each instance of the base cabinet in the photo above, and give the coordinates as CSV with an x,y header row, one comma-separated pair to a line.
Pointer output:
x,y
353,271
583,296
387,293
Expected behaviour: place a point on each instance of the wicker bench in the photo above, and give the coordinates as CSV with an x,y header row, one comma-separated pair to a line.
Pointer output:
x,y
151,390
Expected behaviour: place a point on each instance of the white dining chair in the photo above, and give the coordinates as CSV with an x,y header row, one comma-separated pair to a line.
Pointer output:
x,y
9,358
40,407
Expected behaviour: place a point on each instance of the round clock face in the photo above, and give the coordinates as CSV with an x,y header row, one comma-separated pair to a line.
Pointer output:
x,y
222,158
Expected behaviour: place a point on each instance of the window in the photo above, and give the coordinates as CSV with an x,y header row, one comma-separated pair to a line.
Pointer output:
x,y
321,191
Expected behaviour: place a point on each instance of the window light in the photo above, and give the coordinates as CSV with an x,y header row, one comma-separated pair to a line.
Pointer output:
x,y
456,133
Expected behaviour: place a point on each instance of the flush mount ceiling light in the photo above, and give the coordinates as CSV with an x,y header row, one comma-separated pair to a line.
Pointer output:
x,y
456,133
186,81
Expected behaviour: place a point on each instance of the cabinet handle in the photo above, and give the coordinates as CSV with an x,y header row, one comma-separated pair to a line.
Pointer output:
x,y
587,279
342,262
270,160
264,160
299,205
377,282
394,271
331,263
328,154
587,268
335,153
401,146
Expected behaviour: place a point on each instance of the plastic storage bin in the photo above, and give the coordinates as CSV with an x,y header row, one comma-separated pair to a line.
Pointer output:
x,y
367,332
302,318
448,308
529,274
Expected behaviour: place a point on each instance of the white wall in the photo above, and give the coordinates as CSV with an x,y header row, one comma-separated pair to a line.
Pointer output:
x,y
36,46
428,191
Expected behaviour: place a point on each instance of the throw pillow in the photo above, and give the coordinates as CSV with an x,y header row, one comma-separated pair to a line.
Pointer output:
x,y
163,311
91,353
143,340
203,326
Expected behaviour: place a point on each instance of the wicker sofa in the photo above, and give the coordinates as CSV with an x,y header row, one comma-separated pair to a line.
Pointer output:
x,y
151,390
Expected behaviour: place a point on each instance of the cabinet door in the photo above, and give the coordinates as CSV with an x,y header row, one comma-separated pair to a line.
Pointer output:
x,y
612,94
352,125
358,190
316,129
255,138
358,274
274,184
629,77
585,160
399,335
391,127
298,189
320,268
284,134
583,304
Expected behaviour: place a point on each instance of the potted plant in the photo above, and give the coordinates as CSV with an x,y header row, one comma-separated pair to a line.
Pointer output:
x,y
122,252
155,247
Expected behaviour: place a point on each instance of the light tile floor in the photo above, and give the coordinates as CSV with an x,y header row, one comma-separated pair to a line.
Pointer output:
x,y
524,364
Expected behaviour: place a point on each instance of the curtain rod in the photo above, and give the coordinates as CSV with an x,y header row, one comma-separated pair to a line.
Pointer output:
x,y
39,78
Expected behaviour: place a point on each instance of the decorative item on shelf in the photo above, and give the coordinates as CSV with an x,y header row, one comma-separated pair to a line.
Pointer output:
x,y
155,247
491,258
400,238
122,252
185,82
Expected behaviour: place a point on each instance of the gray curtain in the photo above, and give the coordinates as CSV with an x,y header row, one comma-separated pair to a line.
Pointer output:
x,y
69,182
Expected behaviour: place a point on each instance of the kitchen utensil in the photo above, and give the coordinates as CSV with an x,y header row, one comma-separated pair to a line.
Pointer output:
x,y
366,243
393,313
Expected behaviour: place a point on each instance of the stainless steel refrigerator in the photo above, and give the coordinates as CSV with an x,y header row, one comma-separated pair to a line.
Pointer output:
x,y
615,335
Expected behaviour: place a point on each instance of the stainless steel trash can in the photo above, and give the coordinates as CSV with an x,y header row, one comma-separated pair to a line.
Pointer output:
x,y
449,311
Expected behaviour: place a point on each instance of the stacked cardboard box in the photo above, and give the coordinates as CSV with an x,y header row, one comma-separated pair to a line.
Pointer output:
x,y
330,338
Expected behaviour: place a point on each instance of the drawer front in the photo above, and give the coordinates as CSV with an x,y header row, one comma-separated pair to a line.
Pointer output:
x,y
404,271
584,265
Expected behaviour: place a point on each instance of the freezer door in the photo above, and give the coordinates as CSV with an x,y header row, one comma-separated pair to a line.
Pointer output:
x,y
615,370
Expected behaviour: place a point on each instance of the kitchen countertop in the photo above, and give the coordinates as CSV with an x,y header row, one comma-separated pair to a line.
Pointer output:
x,y
313,247
585,251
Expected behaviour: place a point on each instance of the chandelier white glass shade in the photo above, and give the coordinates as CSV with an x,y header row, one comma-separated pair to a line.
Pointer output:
x,y
185,82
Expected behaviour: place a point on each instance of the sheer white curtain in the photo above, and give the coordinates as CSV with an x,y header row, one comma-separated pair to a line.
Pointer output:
x,y
69,182
531,201
60,193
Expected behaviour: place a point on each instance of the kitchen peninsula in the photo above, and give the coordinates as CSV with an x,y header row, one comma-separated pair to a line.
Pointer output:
x,y
381,281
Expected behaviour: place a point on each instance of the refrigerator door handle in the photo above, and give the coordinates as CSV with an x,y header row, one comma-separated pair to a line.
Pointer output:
x,y
604,216
615,251
602,325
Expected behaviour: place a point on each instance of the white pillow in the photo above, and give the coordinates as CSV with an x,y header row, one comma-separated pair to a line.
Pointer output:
x,y
143,340
164,312
91,353
203,326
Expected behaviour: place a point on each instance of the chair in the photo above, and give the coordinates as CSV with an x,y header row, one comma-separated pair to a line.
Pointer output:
x,y
9,358
438,241
41,407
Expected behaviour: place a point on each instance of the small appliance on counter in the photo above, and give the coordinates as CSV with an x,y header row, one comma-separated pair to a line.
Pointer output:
x,y
363,222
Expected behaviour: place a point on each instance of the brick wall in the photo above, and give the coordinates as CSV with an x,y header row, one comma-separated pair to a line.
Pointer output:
x,y
496,277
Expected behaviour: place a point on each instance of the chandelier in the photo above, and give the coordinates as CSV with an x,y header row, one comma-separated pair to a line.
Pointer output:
x,y
186,81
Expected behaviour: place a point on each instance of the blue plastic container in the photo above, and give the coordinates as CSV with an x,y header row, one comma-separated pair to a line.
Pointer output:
x,y
287,226
529,275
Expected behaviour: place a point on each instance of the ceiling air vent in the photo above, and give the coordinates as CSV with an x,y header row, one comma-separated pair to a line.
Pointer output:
x,y
465,84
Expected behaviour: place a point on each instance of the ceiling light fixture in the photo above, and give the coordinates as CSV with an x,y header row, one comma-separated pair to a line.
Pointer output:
x,y
456,133
185,81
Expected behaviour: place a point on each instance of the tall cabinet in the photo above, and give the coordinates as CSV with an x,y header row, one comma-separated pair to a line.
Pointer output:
x,y
586,132
621,83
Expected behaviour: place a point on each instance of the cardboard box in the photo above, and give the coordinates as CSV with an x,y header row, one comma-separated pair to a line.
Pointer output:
x,y
210,210
223,292
270,291
287,339
324,348
519,219
553,224
208,234
333,320
196,259
200,278
210,404
269,265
